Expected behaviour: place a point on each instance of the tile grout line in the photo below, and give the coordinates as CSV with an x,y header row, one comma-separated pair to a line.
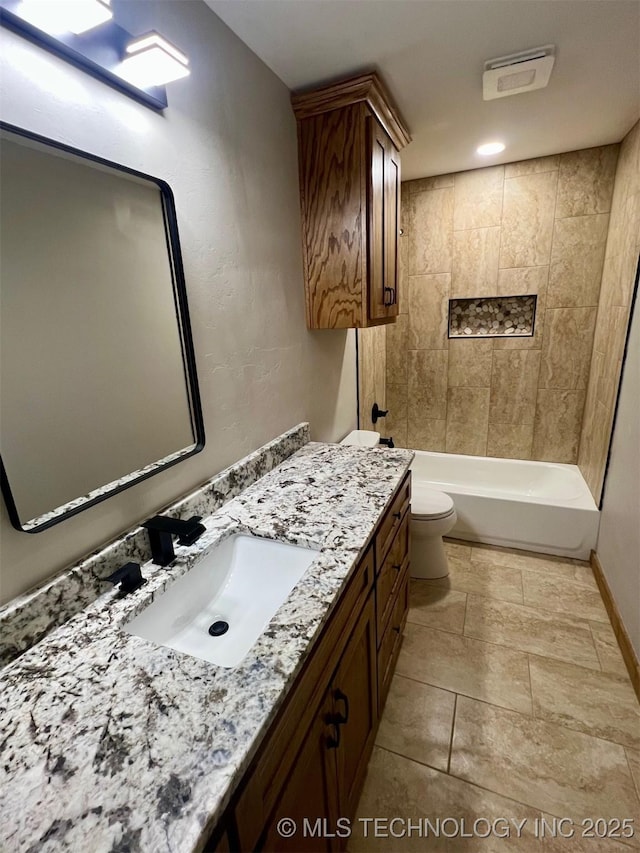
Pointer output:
x,y
453,730
520,713
500,645
530,717
533,710
593,640
636,784
464,618
461,779
467,696
562,615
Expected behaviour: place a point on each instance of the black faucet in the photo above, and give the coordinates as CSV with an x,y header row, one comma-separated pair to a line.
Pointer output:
x,y
162,529
128,576
387,441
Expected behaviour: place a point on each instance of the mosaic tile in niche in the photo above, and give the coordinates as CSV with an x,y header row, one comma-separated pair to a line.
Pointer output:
x,y
498,316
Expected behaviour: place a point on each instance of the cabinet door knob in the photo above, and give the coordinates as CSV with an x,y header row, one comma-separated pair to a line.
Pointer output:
x,y
389,296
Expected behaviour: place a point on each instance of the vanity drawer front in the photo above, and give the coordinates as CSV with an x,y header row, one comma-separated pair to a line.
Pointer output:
x,y
392,639
264,782
391,521
388,581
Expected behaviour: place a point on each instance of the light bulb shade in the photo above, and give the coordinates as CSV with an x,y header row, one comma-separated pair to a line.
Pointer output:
x,y
57,17
151,60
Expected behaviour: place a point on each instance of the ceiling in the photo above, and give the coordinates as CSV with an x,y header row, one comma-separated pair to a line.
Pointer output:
x,y
431,54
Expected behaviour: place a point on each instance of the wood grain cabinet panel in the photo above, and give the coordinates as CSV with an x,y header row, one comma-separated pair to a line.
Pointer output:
x,y
355,697
349,136
310,796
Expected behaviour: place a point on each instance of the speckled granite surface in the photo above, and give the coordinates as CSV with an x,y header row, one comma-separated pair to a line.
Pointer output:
x,y
28,618
110,743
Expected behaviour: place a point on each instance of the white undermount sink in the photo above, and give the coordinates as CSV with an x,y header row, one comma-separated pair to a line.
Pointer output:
x,y
240,583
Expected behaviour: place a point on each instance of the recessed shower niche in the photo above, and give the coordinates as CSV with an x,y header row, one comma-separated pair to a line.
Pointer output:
x,y
495,316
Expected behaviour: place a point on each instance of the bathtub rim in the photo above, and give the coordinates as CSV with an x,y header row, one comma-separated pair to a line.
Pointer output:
x,y
584,500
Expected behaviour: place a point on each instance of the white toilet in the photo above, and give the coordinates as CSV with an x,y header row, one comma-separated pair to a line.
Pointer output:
x,y
433,515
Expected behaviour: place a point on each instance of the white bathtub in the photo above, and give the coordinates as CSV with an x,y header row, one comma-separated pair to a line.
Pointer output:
x,y
535,506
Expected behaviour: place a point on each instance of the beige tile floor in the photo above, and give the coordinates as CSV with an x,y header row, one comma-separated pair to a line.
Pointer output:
x,y
510,703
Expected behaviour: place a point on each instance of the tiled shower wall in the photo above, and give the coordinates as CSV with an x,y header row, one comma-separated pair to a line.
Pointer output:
x,y
537,226
621,260
371,376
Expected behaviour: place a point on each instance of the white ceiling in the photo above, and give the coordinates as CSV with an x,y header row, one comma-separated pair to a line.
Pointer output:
x,y
431,54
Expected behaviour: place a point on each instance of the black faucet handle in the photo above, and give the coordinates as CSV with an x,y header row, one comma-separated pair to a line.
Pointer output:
x,y
194,532
387,441
128,576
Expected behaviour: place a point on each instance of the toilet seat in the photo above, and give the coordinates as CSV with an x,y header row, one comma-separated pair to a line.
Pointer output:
x,y
429,503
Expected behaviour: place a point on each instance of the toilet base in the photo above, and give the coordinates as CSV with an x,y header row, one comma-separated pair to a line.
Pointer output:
x,y
428,557
429,560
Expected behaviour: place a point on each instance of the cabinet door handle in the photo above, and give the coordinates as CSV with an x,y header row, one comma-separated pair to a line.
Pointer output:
x,y
342,697
397,515
396,566
334,742
389,296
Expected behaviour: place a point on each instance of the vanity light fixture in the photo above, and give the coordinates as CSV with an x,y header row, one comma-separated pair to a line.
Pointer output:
x,y
490,148
86,34
151,60
57,17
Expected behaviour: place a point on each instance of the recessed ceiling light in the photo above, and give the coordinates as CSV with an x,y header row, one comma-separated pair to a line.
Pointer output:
x,y
490,148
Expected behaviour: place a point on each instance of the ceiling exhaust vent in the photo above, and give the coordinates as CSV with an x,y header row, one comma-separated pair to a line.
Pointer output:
x,y
518,72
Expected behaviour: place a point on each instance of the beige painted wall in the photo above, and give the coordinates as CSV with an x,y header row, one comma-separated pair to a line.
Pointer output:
x,y
618,545
538,226
621,260
227,146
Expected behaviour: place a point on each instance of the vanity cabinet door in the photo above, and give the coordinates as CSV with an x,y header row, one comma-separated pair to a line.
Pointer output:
x,y
354,692
310,796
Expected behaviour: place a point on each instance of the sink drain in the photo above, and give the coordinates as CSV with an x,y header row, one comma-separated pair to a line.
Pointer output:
x,y
217,629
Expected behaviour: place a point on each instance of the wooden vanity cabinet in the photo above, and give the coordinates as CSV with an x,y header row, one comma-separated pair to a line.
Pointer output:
x,y
349,138
312,763
329,770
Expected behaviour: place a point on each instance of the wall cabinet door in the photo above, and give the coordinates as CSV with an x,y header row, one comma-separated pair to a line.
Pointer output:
x,y
349,135
383,200
392,221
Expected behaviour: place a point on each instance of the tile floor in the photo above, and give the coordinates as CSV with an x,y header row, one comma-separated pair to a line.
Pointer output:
x,y
510,703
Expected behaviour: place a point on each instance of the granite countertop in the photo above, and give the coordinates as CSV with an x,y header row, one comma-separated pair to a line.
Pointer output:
x,y
111,743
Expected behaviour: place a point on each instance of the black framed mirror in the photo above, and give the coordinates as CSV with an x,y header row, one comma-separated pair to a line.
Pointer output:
x,y
98,382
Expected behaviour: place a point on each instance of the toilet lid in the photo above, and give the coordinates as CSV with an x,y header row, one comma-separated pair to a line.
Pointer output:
x,y
430,503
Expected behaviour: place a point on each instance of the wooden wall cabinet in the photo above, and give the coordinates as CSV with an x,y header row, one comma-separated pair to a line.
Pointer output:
x,y
349,138
312,763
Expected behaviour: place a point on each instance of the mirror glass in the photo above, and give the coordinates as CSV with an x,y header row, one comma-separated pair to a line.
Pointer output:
x,y
98,388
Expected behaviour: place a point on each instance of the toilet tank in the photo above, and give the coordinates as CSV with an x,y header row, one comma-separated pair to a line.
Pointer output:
x,y
362,438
